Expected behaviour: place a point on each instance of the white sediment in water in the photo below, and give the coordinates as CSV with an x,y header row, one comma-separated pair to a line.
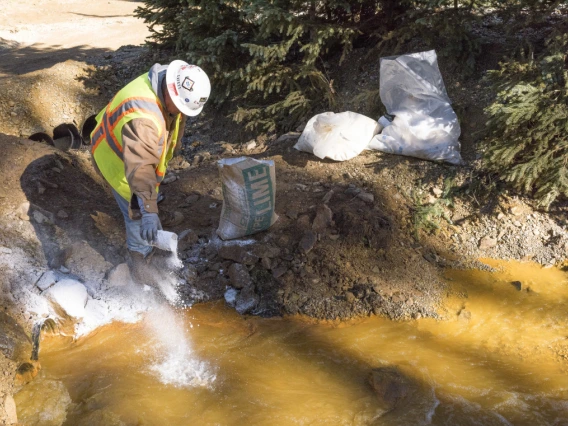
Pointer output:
x,y
112,296
175,363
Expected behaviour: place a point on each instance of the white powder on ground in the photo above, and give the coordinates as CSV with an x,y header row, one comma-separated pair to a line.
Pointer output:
x,y
116,298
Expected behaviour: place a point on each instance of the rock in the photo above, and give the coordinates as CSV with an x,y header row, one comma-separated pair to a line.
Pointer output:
x,y
279,271
308,241
5,250
197,159
70,295
23,210
250,145
272,252
327,197
169,179
323,219
266,263
40,188
209,275
350,297
53,398
516,210
517,224
304,222
246,300
464,315
487,243
292,213
40,217
10,409
390,385
47,279
64,269
231,297
518,285
239,276
437,192
301,187
86,262
334,237
238,254
287,137
353,191
430,199
62,214
366,197
186,239
192,199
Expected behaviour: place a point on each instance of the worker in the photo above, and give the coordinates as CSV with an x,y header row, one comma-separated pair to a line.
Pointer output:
x,y
135,138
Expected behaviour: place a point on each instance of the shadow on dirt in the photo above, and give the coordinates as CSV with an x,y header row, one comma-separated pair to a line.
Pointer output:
x,y
16,60
67,206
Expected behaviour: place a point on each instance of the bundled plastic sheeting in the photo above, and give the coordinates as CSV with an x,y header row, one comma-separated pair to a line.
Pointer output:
x,y
249,189
425,125
337,136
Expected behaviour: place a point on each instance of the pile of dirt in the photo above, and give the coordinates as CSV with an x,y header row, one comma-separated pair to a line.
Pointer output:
x,y
41,100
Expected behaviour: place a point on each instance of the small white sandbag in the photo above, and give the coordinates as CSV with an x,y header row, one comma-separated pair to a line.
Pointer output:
x,y
340,136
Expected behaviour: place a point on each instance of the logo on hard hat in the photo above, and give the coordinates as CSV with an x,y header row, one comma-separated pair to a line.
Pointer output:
x,y
187,84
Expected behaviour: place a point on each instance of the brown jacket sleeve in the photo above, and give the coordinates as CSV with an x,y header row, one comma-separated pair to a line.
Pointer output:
x,y
141,157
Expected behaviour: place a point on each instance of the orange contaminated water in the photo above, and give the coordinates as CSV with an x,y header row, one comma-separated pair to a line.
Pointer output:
x,y
498,356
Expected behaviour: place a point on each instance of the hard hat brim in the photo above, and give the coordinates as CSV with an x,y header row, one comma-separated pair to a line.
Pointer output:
x,y
170,84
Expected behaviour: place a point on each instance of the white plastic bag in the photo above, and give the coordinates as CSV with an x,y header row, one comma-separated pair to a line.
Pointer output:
x,y
337,136
425,125
249,190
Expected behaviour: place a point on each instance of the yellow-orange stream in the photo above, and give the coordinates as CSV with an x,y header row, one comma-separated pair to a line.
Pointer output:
x,y
498,357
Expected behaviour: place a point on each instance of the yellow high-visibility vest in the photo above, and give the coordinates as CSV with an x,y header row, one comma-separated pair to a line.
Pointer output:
x,y
135,100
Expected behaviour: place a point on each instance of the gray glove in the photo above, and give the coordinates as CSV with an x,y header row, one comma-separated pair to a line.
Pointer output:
x,y
150,226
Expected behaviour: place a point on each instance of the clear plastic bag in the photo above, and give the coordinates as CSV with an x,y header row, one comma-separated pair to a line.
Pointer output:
x,y
425,125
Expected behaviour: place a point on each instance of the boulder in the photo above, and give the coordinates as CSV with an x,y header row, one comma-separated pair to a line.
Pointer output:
x,y
323,219
308,241
390,385
69,295
246,300
238,253
239,276
487,243
47,280
366,197
53,398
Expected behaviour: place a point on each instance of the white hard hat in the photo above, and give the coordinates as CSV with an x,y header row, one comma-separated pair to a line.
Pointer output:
x,y
188,86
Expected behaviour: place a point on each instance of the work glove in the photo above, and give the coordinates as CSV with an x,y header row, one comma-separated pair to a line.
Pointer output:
x,y
150,226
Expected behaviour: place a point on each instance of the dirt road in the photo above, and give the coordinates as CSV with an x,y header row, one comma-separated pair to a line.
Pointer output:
x,y
36,34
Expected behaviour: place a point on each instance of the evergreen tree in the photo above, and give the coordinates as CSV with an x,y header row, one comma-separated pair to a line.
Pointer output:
x,y
527,143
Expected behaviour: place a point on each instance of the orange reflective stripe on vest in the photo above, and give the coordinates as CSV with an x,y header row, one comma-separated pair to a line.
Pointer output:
x,y
135,100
